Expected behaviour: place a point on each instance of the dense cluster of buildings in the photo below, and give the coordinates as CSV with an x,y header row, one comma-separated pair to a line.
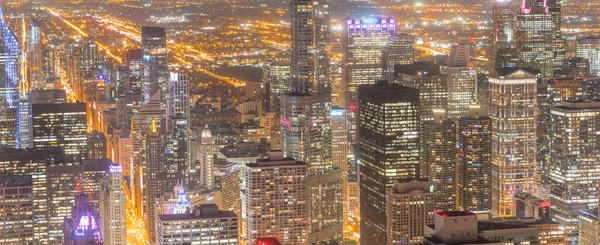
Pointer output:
x,y
381,147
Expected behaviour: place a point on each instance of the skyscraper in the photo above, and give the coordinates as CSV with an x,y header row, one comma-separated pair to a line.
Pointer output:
x,y
37,81
306,117
410,207
178,116
94,173
9,85
141,124
400,50
340,148
512,108
431,84
474,166
438,159
573,171
535,37
64,184
155,73
310,41
589,48
276,76
275,200
205,163
462,81
504,23
16,200
34,163
158,177
172,228
179,99
134,63
388,151
363,42
62,125
112,207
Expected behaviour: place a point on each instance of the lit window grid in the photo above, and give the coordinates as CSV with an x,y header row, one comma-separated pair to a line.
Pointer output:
x,y
513,116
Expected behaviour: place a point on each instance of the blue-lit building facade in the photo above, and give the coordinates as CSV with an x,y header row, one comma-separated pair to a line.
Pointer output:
x,y
9,85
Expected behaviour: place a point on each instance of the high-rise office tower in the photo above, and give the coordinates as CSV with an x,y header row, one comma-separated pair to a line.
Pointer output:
x,y
94,173
439,157
112,207
400,50
558,42
155,73
461,79
460,54
37,81
205,164
62,125
52,62
16,200
573,168
24,125
363,42
9,85
380,105
535,40
88,58
340,148
309,68
513,101
96,148
141,124
172,228
83,225
588,227
178,116
504,23
589,48
179,99
306,117
431,84
410,207
33,163
276,188
276,76
474,166
158,178
64,184
134,63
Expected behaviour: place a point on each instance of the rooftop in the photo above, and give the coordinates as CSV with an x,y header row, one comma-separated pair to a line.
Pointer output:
x,y
15,181
203,211
456,213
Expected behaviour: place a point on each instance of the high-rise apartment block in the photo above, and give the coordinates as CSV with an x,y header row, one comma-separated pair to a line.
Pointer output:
x,y
275,200
204,224
438,159
513,102
474,165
